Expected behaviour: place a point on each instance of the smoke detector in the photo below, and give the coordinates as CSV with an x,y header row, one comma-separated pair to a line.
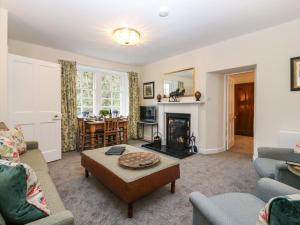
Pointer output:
x,y
163,11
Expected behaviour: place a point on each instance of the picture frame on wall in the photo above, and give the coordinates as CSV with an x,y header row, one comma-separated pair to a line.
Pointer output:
x,y
148,90
295,74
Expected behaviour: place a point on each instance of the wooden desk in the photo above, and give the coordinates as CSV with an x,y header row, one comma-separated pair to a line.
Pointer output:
x,y
93,126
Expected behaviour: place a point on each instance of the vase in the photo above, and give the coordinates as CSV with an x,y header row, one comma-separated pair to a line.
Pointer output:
x,y
197,95
158,98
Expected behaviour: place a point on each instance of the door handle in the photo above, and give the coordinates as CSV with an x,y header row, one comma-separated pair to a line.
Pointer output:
x,y
56,117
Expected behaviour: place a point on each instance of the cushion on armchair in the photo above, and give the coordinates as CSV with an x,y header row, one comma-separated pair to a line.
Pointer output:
x,y
282,210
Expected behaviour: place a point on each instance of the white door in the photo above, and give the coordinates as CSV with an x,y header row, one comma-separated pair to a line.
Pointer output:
x,y
230,112
34,102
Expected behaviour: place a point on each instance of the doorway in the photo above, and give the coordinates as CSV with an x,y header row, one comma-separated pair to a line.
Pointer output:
x,y
240,108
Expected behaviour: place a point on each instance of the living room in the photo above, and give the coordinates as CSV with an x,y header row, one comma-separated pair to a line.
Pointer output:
x,y
159,83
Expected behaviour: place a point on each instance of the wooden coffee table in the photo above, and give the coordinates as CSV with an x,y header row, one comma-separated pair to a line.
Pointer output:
x,y
130,185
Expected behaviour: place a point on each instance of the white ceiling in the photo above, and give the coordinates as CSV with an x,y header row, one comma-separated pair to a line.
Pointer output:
x,y
85,26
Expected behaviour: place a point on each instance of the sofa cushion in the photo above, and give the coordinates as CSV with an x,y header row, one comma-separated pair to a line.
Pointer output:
x,y
3,126
266,167
54,201
35,159
8,150
14,204
17,136
242,207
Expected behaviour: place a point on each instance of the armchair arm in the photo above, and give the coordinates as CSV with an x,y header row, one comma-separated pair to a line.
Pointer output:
x,y
206,212
61,218
274,153
268,188
284,175
32,145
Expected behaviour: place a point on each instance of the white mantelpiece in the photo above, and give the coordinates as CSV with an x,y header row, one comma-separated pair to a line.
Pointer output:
x,y
180,103
191,107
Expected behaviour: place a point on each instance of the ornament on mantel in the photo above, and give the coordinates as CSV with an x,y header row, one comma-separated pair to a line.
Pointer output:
x,y
158,97
197,95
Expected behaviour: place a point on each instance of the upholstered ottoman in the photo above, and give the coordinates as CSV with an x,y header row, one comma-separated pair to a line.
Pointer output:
x,y
130,185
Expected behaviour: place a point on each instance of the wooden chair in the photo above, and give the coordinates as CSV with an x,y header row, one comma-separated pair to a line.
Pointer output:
x,y
111,131
123,131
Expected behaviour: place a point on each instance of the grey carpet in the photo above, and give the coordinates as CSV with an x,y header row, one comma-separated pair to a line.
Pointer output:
x,y
93,204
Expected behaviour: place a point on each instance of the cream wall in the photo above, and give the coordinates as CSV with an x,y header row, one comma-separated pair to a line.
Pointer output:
x,y
277,108
3,64
53,55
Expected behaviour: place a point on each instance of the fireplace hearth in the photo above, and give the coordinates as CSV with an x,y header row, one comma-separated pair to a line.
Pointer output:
x,y
177,136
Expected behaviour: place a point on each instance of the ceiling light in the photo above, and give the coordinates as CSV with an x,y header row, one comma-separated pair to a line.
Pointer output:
x,y
126,36
163,11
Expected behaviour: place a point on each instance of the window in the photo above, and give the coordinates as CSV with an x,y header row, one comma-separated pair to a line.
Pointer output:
x,y
110,92
101,89
85,92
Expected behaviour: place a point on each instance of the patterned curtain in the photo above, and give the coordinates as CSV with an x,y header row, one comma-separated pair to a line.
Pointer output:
x,y
68,105
134,104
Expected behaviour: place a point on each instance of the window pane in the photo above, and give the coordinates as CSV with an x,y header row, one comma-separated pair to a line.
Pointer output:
x,y
116,108
115,83
105,94
87,79
87,102
87,109
116,102
105,86
115,87
106,102
116,95
78,110
105,108
87,93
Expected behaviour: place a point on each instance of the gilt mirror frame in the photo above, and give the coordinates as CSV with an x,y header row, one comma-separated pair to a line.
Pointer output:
x,y
295,74
178,71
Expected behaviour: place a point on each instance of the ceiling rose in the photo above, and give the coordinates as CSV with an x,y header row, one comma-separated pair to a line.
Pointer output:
x,y
126,36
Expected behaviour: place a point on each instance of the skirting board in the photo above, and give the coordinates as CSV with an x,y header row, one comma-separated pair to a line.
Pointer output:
x,y
207,151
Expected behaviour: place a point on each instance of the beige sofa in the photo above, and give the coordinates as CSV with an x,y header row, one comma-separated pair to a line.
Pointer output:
x,y
59,215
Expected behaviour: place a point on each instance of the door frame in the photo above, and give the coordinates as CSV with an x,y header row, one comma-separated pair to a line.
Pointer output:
x,y
226,106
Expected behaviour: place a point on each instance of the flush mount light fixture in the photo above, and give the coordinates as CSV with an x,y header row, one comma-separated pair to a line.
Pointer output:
x,y
126,36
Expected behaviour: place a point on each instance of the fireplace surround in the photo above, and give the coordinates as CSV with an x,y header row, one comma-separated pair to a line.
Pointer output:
x,y
186,106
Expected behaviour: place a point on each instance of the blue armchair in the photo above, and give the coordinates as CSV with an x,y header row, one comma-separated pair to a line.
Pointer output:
x,y
236,208
271,163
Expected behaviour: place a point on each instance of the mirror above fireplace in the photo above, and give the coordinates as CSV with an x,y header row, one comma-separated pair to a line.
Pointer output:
x,y
181,79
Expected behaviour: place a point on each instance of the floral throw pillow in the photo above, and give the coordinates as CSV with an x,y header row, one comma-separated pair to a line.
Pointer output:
x,y
8,150
16,134
34,195
297,148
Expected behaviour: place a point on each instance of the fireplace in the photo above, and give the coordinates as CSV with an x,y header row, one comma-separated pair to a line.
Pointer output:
x,y
178,130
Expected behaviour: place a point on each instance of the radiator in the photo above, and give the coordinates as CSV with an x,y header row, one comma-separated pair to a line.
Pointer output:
x,y
288,139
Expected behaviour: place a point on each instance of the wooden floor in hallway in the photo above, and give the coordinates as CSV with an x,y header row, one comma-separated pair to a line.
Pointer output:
x,y
242,144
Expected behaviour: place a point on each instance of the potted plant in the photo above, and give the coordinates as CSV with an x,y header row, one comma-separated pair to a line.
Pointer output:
x,y
104,112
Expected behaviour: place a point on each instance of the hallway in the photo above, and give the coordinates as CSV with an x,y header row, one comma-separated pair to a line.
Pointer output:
x,y
242,144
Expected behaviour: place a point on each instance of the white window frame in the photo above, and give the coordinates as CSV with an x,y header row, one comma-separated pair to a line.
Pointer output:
x,y
98,73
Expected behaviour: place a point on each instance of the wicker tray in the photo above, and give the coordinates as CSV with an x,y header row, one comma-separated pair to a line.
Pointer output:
x,y
139,160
